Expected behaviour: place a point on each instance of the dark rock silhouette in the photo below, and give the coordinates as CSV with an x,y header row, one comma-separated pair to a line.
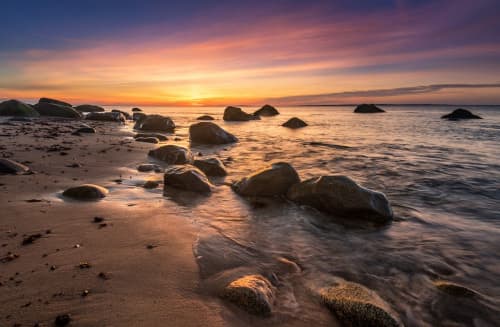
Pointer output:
x,y
86,192
172,154
237,114
294,123
106,116
211,166
55,110
54,101
367,109
460,113
89,108
124,113
210,133
187,178
136,109
17,108
155,123
205,117
267,110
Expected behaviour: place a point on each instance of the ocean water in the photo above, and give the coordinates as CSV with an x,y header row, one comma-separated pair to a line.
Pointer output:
x,y
441,177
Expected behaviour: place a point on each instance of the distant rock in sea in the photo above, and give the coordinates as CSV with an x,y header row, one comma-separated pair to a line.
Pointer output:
x,y
155,123
54,101
17,108
368,109
267,110
210,133
89,108
237,114
460,113
172,154
136,109
56,110
294,123
205,117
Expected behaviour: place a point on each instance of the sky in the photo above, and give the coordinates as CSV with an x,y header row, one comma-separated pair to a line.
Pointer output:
x,y
251,52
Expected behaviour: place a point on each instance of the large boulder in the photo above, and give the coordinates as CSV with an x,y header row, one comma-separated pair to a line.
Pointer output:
x,y
17,108
106,116
54,101
210,133
460,114
272,181
172,154
155,123
8,166
341,196
211,166
266,110
159,136
187,178
86,192
237,114
89,108
56,110
205,117
124,113
294,123
368,109
252,293
355,305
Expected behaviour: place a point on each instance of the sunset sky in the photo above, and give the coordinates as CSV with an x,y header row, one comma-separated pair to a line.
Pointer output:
x,y
251,52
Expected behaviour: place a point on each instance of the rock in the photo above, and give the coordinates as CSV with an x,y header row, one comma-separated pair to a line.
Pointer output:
x,y
17,108
159,136
136,109
106,116
272,181
147,139
172,154
355,305
266,110
89,130
8,166
294,123
62,320
367,109
155,123
211,166
138,115
50,109
210,133
151,184
340,195
460,114
89,108
149,167
454,289
86,192
54,101
124,113
188,178
205,117
236,114
252,293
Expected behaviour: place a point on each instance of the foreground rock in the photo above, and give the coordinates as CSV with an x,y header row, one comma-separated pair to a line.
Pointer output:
x,y
211,166
237,114
86,192
368,109
340,195
187,178
267,111
54,101
172,154
355,305
294,123
17,108
454,289
149,167
155,123
273,181
159,136
210,133
153,140
460,113
106,116
8,166
89,108
205,117
55,110
252,293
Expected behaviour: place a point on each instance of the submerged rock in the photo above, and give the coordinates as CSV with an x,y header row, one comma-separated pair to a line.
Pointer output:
x,y
454,289
368,109
149,167
211,166
237,114
159,136
54,101
89,108
172,154
210,133
56,110
106,116
205,117
153,140
460,114
17,108
252,293
86,192
294,123
8,166
155,123
188,178
340,195
124,113
355,305
267,110
272,181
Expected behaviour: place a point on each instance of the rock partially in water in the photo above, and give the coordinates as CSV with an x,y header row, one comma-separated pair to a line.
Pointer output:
x,y
56,110
106,116
149,167
237,114
267,111
355,305
460,113
454,289
89,108
159,136
124,113
54,101
211,166
172,154
368,109
187,178
210,133
155,123
153,140
86,192
17,108
294,123
252,293
89,130
205,117
150,184
340,195
272,181
8,166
